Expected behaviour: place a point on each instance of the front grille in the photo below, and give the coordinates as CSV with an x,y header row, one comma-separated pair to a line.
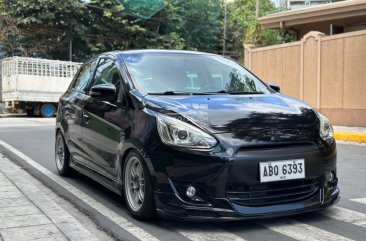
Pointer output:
x,y
271,146
272,193
266,135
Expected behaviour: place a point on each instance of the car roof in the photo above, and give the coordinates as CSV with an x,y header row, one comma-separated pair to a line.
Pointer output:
x,y
154,51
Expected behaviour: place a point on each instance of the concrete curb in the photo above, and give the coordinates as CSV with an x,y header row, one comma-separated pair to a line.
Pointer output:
x,y
350,136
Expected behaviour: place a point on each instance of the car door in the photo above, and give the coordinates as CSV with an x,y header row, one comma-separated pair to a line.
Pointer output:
x,y
105,124
72,105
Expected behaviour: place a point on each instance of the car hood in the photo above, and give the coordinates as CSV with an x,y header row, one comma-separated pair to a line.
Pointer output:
x,y
252,118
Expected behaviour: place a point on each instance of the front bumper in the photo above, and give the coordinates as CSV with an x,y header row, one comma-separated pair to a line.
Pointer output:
x,y
188,212
214,173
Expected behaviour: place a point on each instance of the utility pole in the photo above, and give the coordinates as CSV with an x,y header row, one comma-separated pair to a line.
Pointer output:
x,y
257,9
225,20
70,50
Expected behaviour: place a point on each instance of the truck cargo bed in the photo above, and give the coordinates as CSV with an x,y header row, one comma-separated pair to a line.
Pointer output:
x,y
35,80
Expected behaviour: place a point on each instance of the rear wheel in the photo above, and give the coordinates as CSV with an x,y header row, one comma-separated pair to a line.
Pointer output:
x,y
48,110
62,156
138,188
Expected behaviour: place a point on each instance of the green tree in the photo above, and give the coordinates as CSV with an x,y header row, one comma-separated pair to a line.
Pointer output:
x,y
9,31
45,28
44,25
243,27
48,26
198,22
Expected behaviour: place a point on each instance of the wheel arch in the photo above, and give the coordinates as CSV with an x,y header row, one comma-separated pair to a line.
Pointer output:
x,y
133,146
59,129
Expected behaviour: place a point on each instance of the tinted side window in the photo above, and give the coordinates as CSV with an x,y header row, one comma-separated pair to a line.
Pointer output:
x,y
107,73
85,75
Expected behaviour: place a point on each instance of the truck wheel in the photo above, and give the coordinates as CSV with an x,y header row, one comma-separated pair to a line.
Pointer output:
x,y
48,110
29,112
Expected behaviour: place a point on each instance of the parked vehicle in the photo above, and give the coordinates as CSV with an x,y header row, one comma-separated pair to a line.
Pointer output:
x,y
192,135
34,85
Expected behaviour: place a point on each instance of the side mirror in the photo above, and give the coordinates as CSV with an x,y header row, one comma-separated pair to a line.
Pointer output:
x,y
275,87
104,92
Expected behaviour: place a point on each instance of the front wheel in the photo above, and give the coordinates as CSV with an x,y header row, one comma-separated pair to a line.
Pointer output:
x,y
138,188
62,156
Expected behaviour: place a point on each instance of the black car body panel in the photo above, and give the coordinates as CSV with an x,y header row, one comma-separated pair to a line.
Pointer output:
x,y
249,118
249,129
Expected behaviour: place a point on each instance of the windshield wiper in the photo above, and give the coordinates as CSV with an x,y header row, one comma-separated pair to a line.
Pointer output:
x,y
245,92
171,92
230,92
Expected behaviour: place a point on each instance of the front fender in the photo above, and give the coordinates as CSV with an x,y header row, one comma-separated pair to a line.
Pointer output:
x,y
134,144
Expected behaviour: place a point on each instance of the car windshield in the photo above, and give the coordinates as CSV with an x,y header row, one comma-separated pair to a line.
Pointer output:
x,y
170,73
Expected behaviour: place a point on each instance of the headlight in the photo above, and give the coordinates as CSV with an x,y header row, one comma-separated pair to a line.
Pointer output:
x,y
326,129
178,133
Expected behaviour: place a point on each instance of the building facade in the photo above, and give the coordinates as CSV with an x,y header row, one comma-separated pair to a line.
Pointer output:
x,y
326,67
297,4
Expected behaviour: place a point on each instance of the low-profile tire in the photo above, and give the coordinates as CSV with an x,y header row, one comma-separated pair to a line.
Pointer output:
x,y
138,187
62,156
48,110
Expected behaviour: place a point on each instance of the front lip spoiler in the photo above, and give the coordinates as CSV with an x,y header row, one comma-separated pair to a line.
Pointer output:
x,y
222,218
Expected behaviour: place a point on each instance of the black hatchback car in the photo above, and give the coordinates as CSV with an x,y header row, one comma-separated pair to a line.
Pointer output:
x,y
194,135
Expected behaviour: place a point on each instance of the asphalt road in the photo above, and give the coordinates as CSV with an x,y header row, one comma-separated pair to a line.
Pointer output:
x,y
346,221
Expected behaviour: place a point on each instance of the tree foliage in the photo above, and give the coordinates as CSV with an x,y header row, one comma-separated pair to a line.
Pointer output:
x,y
45,28
197,22
243,27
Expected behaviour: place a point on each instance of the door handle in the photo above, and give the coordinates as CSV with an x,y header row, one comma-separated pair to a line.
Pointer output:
x,y
86,118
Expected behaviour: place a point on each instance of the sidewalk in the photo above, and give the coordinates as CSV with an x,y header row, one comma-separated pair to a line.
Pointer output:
x,y
345,133
27,211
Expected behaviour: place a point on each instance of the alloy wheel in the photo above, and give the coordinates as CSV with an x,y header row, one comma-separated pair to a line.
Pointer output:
x,y
134,183
60,152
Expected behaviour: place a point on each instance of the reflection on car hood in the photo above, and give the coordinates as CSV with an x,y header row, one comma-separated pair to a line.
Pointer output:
x,y
241,115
